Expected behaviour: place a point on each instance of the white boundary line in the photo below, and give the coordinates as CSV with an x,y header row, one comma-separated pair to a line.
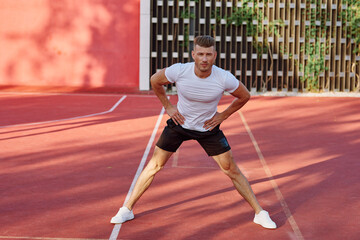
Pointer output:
x,y
175,159
278,193
117,227
67,119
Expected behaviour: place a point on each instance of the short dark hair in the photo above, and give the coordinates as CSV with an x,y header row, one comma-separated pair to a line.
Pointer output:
x,y
204,41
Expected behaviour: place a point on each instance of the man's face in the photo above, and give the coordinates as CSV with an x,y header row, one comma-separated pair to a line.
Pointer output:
x,y
204,58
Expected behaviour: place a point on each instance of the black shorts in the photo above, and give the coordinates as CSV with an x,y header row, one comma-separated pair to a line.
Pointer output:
x,y
213,142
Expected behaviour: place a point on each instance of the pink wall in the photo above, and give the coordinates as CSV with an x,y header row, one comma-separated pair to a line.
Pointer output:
x,y
70,43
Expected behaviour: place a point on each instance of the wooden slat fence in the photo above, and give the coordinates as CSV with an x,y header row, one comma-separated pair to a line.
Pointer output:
x,y
291,46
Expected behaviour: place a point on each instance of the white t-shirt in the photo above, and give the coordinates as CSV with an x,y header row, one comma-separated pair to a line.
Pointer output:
x,y
199,97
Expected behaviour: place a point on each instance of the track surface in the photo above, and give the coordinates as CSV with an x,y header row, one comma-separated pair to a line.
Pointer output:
x,y
67,164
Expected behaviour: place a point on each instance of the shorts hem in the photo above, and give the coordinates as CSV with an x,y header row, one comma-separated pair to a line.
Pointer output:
x,y
219,152
162,148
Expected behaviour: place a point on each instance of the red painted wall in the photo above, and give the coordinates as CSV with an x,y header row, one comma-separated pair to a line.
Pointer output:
x,y
70,43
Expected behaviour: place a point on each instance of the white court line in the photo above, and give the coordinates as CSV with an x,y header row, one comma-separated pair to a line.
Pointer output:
x,y
117,227
175,159
67,119
279,195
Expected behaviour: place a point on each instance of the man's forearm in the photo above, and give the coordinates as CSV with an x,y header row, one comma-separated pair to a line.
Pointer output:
x,y
234,106
171,110
161,94
158,80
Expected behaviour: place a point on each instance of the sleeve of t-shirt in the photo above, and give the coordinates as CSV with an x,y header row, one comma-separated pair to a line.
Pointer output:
x,y
173,72
231,83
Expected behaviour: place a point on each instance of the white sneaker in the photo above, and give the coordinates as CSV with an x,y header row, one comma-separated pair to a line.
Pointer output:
x,y
123,215
263,219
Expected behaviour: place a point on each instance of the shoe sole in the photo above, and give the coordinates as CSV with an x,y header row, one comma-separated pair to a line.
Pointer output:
x,y
270,228
113,222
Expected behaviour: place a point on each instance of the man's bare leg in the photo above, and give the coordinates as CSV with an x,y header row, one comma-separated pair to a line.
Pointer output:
x,y
229,167
156,163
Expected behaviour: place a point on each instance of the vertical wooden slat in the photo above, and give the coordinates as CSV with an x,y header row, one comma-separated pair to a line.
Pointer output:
x,y
273,47
346,54
265,56
287,85
245,55
174,21
158,34
222,33
317,14
342,48
238,43
327,45
250,51
301,40
323,36
169,35
154,32
254,56
288,42
331,40
164,49
296,54
260,65
180,34
281,47
348,57
338,47
232,41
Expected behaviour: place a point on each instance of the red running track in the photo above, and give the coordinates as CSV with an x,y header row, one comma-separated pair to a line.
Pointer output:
x,y
67,178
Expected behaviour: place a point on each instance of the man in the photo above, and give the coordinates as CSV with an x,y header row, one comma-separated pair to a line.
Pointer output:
x,y
200,86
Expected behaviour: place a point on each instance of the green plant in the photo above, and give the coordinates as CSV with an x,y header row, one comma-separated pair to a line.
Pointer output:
x,y
315,64
252,15
249,13
351,19
314,50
